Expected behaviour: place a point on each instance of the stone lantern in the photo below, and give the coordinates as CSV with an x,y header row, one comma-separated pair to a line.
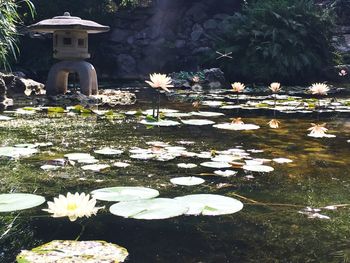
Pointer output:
x,y
70,44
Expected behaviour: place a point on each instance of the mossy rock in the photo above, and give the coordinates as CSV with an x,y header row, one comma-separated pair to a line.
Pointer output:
x,y
68,251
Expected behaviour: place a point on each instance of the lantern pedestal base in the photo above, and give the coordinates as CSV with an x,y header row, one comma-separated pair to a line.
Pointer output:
x,y
57,81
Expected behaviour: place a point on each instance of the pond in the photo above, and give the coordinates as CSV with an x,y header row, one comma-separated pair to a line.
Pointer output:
x,y
277,223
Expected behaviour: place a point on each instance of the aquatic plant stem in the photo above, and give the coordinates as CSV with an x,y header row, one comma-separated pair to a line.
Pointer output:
x,y
158,105
274,106
153,106
81,232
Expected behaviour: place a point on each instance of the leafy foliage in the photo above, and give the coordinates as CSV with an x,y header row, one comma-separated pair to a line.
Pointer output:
x,y
342,9
9,20
279,40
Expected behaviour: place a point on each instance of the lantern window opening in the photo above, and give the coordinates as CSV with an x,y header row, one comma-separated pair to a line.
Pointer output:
x,y
67,41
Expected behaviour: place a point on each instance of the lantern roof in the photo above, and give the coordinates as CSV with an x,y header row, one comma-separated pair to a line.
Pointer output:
x,y
67,22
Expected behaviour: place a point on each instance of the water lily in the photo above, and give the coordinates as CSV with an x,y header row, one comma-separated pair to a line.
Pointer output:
x,y
342,73
160,81
73,206
318,130
275,87
237,121
238,87
274,124
196,105
319,88
195,79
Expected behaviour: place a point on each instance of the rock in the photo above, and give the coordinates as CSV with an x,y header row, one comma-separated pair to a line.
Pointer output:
x,y
221,16
2,89
119,35
197,32
33,87
210,24
197,12
20,86
215,85
126,64
201,50
180,43
167,36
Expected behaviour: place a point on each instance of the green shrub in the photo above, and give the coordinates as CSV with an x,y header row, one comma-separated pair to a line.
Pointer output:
x,y
277,40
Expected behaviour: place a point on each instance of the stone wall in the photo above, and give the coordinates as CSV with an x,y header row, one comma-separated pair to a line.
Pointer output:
x,y
170,36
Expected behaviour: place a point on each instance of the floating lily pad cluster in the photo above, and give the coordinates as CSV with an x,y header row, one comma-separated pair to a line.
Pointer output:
x,y
141,203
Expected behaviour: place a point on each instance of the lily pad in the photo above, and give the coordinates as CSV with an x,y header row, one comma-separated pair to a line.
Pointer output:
x,y
211,205
5,118
19,201
226,173
108,151
121,164
159,208
117,194
258,168
95,167
149,112
217,165
187,165
187,180
17,152
78,156
207,113
236,127
160,123
70,251
198,122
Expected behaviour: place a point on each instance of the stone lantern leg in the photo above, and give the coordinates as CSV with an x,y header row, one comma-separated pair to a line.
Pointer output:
x,y
70,44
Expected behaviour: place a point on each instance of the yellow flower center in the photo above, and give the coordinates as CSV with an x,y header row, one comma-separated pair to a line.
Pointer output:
x,y
72,206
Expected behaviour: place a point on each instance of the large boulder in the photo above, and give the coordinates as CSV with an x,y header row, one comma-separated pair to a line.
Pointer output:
x,y
16,85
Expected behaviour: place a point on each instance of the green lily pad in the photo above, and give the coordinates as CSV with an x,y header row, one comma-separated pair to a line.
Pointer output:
x,y
19,201
70,251
158,208
187,180
108,151
210,205
117,194
17,152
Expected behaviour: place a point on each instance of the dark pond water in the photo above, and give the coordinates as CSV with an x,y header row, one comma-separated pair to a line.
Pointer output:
x,y
268,229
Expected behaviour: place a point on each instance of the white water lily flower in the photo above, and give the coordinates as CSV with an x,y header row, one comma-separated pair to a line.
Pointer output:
x,y
186,165
160,81
73,206
274,124
237,120
275,87
319,88
318,130
238,87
